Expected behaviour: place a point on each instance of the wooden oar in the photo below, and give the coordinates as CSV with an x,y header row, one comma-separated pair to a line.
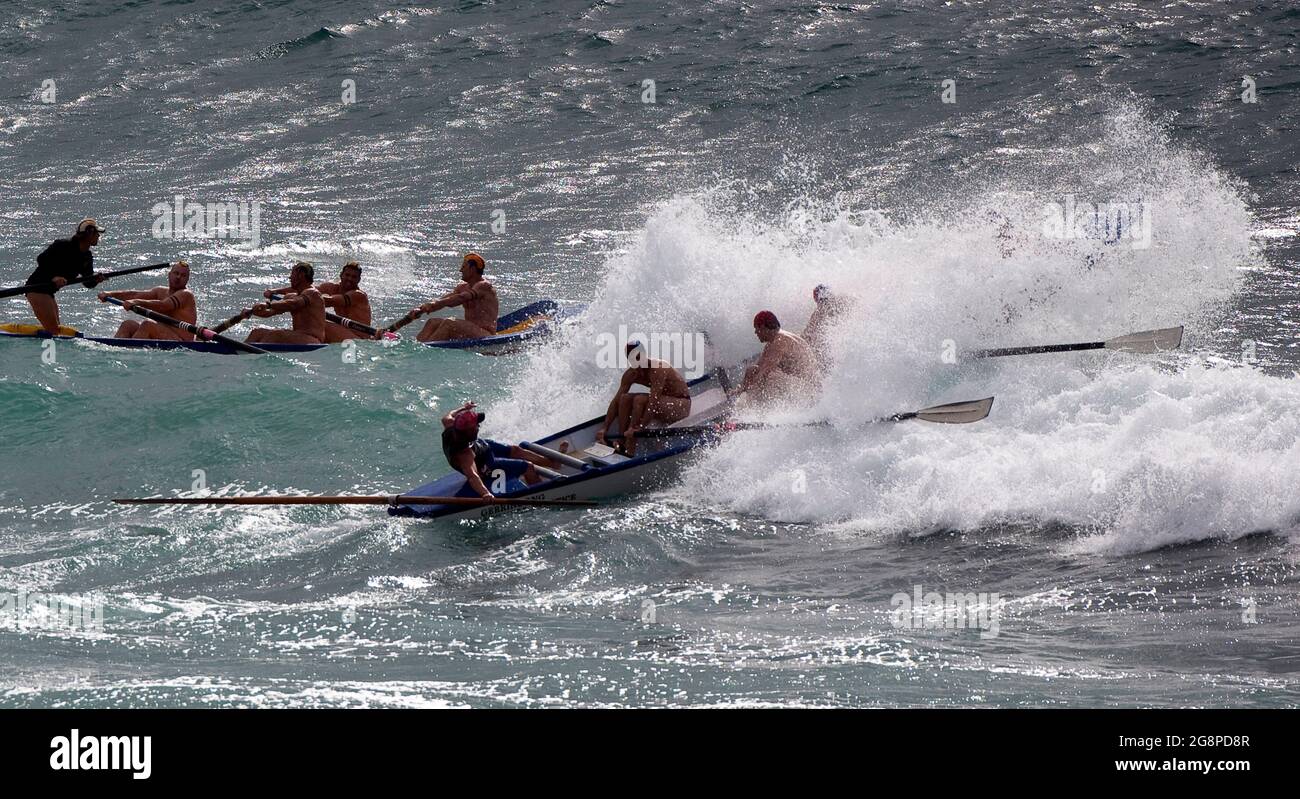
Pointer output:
x,y
415,313
202,333
951,413
1145,342
350,324
232,321
362,499
102,276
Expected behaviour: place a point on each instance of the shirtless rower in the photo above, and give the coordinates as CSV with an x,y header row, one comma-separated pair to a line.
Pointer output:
x,y
668,401
829,306
787,370
482,459
477,296
306,307
345,297
65,261
173,299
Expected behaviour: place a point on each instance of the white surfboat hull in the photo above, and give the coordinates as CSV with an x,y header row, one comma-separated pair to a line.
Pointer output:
x,y
654,465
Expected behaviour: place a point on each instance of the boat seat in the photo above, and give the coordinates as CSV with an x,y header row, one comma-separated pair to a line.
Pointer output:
x,y
603,455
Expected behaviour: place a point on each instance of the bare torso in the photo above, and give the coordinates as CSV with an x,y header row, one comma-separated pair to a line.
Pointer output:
x,y
669,381
482,308
355,305
176,304
310,318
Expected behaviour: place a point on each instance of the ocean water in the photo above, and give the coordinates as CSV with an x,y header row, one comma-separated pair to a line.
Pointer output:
x,y
1127,524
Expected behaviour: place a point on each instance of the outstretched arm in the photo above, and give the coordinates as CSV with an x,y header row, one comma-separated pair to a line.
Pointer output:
x,y
623,386
268,309
124,294
466,466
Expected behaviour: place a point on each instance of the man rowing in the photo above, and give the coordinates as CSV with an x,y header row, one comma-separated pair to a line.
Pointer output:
x,y
668,401
483,460
828,307
305,306
174,300
64,261
787,370
345,297
474,293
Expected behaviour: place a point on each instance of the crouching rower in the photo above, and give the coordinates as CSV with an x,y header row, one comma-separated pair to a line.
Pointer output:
x,y
668,401
65,261
482,459
305,306
787,370
174,300
345,297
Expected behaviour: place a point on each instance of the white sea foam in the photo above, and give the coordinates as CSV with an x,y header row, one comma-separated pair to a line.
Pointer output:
x,y
1140,451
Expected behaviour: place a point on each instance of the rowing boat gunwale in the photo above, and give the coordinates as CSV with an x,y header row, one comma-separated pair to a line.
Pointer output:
x,y
568,481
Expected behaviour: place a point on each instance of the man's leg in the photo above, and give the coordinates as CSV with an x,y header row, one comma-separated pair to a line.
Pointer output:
x,y
152,330
624,412
639,403
454,329
267,335
127,329
430,330
335,334
667,410
46,310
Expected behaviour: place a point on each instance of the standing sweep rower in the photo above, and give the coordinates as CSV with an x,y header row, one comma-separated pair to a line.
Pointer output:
x,y
63,262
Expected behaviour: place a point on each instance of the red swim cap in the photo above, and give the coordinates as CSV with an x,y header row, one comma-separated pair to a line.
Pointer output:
x,y
766,319
466,421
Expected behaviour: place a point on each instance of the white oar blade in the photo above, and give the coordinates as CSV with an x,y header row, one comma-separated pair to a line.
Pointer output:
x,y
1148,341
957,412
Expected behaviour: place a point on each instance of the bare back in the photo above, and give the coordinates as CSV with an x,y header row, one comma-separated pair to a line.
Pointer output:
x,y
792,355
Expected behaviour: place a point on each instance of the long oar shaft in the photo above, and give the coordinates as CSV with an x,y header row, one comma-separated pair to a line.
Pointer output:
x,y
50,287
951,413
202,333
404,321
231,322
361,499
1145,342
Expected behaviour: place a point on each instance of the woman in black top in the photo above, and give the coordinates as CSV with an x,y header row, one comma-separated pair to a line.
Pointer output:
x,y
63,262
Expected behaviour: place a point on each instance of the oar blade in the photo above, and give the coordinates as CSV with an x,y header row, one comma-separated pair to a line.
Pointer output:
x,y
1148,342
957,412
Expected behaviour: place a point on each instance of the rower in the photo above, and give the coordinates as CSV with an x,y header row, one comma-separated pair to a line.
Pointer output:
x,y
482,459
787,369
475,294
64,261
668,401
305,306
345,296
173,299
828,307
